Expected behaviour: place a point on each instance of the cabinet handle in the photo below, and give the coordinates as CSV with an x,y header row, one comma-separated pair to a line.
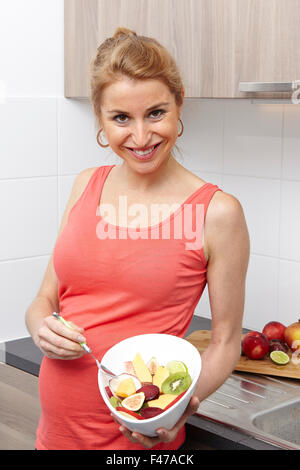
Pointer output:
x,y
272,87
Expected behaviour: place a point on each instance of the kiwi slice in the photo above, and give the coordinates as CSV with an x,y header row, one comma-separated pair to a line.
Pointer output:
x,y
176,383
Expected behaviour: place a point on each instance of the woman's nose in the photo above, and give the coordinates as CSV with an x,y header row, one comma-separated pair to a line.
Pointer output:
x,y
141,134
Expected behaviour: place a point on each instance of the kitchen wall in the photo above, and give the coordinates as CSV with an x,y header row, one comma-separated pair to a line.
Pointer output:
x,y
251,151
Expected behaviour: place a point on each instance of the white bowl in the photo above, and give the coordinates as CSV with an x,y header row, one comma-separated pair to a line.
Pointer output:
x,y
165,348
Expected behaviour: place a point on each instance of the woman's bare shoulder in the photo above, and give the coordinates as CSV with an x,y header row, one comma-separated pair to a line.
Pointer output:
x,y
82,180
225,216
224,209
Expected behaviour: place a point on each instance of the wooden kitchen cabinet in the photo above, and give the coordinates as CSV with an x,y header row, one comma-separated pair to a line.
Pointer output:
x,y
216,43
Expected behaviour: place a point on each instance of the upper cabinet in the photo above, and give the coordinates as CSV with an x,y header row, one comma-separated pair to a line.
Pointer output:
x,y
216,43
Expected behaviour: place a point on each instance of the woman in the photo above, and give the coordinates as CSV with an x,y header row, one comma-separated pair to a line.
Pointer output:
x,y
116,276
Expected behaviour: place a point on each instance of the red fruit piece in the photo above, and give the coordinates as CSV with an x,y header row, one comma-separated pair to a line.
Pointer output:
x,y
274,330
276,345
108,391
255,346
150,391
253,333
151,411
129,412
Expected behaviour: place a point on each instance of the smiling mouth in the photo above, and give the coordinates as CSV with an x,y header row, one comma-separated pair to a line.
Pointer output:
x,y
145,151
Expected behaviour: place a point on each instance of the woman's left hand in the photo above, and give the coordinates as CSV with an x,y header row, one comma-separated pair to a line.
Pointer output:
x,y
164,435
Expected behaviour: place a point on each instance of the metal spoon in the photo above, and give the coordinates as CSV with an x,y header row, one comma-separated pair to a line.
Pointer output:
x,y
84,346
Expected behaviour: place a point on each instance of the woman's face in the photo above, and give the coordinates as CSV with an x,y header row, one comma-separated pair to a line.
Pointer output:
x,y
140,121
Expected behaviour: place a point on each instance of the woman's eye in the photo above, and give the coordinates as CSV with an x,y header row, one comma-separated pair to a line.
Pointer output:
x,y
121,118
157,113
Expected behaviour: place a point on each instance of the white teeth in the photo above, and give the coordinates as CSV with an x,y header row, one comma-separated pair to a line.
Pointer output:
x,y
144,152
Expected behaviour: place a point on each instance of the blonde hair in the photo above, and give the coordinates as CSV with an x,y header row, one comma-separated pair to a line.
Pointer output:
x,y
137,57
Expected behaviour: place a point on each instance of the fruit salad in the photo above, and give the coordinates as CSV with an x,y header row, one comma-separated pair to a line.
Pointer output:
x,y
146,390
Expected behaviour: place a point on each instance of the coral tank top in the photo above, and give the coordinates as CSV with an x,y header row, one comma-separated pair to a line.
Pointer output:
x,y
121,284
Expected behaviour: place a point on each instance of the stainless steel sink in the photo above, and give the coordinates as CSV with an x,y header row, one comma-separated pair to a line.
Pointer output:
x,y
260,406
282,421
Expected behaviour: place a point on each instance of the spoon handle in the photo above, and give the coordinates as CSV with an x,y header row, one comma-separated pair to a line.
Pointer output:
x,y
69,325
84,345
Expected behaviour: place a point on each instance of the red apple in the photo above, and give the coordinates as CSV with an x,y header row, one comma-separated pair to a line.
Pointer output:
x,y
255,345
274,330
292,335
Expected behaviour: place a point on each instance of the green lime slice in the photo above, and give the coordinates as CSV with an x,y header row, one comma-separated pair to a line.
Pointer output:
x,y
279,357
176,366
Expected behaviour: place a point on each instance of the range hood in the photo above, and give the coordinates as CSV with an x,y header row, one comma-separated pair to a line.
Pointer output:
x,y
273,87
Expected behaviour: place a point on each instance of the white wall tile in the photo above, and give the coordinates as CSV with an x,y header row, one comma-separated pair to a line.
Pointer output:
x,y
291,143
289,287
202,140
252,139
28,209
290,221
261,300
65,188
213,178
260,199
20,281
78,148
261,296
28,143
32,47
203,307
250,151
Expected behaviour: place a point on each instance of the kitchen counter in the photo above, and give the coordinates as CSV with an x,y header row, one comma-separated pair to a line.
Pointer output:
x,y
202,432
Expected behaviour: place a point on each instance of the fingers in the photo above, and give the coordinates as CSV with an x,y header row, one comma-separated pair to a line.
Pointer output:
x,y
137,438
191,408
58,341
169,435
164,435
53,350
64,331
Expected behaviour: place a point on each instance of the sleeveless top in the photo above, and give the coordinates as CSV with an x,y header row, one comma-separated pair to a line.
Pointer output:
x,y
121,284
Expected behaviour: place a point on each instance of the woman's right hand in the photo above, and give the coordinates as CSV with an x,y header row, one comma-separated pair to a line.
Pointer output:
x,y
57,341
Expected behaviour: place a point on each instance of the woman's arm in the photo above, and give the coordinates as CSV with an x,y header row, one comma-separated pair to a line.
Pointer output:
x,y
54,339
228,247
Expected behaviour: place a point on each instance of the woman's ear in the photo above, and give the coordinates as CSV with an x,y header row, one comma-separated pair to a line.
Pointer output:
x,y
181,106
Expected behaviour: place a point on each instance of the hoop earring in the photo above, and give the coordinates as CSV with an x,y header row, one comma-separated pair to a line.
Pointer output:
x,y
99,141
182,128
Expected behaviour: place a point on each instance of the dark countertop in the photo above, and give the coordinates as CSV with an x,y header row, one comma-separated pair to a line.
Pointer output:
x,y
24,355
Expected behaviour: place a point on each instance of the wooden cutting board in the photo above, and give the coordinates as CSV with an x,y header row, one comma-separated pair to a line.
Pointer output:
x,y
201,339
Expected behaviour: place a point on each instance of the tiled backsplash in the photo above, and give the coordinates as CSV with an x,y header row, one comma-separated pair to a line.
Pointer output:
x,y
249,150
